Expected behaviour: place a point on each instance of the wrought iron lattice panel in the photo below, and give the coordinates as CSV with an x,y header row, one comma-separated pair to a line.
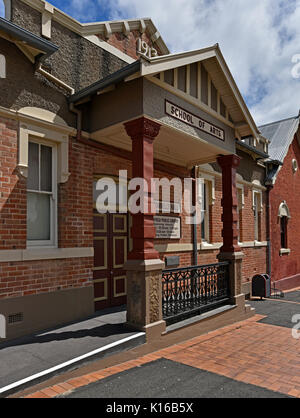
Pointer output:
x,y
193,290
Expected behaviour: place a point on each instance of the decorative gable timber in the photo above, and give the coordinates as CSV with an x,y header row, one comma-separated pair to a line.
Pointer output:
x,y
194,80
104,34
202,77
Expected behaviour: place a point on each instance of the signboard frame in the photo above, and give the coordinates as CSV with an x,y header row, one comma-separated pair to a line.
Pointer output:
x,y
178,218
169,113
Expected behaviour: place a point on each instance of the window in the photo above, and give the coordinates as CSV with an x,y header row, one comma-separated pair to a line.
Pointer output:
x,y
41,194
257,207
240,198
283,232
284,216
295,166
205,211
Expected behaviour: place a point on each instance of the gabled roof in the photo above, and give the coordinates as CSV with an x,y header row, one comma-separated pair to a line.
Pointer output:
x,y
217,68
88,30
281,135
31,44
221,76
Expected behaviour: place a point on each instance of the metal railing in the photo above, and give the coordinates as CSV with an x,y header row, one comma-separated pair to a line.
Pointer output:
x,y
193,290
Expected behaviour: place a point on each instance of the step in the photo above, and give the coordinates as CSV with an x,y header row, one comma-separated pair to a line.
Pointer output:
x,y
195,319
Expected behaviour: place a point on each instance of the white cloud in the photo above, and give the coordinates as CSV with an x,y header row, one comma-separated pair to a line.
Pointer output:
x,y
258,39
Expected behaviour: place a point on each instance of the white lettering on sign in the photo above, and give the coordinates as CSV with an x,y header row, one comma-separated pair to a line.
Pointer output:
x,y
144,49
192,120
167,227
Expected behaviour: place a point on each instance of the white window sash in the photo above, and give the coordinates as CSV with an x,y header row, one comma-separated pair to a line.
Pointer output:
x,y
52,242
205,213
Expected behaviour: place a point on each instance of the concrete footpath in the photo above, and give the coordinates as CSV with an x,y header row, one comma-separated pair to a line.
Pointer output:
x,y
258,357
32,359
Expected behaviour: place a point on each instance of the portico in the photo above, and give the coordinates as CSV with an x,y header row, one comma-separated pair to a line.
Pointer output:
x,y
153,113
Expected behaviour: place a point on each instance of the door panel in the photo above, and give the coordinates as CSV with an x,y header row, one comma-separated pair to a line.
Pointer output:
x,y
111,247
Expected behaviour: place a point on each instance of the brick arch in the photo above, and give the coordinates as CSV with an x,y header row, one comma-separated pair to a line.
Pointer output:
x,y
284,210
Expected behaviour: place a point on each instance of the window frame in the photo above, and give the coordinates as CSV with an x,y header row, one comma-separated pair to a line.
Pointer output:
x,y
284,232
205,200
53,241
240,207
257,209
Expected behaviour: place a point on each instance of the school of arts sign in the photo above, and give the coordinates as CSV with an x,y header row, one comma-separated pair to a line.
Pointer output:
x,y
192,120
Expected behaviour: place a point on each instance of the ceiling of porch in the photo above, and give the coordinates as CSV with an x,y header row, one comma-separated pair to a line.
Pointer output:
x,y
188,152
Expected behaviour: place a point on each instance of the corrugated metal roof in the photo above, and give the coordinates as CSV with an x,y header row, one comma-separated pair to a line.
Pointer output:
x,y
281,134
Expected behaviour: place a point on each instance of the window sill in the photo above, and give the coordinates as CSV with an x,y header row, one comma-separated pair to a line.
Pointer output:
x,y
205,246
260,244
32,254
285,251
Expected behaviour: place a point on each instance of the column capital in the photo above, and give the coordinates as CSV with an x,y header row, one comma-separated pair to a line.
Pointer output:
x,y
142,127
231,160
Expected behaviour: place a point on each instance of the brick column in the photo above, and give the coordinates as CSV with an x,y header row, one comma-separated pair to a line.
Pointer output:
x,y
144,267
231,250
229,164
143,133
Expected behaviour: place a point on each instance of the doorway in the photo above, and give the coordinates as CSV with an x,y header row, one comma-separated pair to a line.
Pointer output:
x,y
111,246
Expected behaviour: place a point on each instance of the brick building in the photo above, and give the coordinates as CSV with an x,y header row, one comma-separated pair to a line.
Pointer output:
x,y
79,103
283,183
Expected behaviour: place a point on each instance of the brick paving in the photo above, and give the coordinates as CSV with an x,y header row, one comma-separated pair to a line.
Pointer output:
x,y
250,352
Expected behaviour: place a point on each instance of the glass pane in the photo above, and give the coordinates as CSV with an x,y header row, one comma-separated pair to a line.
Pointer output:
x,y
204,194
38,217
203,232
33,166
203,211
46,168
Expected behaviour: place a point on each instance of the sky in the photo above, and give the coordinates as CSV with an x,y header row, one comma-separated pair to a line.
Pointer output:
x,y
258,38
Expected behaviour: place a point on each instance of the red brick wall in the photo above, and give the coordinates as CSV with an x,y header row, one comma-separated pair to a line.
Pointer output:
x,y
12,196
75,219
286,188
128,44
35,277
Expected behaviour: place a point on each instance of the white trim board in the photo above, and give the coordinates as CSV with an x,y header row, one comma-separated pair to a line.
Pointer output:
x,y
33,254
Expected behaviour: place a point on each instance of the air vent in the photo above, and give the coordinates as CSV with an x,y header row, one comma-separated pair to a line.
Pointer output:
x,y
15,318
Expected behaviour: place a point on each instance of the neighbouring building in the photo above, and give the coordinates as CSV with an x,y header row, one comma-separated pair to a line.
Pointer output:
x,y
283,183
82,102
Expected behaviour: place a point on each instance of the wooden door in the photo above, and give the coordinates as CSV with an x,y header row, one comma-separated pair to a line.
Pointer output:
x,y
111,248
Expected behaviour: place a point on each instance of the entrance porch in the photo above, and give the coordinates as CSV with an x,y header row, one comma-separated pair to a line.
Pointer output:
x,y
167,117
128,263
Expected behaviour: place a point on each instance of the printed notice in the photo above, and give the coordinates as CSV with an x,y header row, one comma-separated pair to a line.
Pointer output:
x,y
167,227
